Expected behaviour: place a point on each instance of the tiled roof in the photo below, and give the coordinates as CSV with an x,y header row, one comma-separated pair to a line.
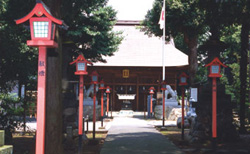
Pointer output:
x,y
140,50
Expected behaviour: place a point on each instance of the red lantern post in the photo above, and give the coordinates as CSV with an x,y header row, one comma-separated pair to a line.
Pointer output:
x,y
108,92
183,82
42,28
81,70
151,92
102,88
215,69
94,80
163,88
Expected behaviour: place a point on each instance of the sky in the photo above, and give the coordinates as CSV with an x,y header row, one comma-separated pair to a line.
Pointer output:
x,y
131,9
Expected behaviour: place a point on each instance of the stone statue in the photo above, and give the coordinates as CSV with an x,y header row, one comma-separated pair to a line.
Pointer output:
x,y
172,101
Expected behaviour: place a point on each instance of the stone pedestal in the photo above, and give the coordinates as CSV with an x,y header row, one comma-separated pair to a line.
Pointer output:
x,y
171,112
4,149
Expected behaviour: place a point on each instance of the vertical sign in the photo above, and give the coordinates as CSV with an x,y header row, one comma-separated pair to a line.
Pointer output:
x,y
125,73
194,94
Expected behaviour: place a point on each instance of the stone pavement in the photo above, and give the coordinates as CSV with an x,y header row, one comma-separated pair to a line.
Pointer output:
x,y
134,135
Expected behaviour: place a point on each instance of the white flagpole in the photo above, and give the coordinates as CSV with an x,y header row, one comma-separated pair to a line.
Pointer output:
x,y
163,45
163,66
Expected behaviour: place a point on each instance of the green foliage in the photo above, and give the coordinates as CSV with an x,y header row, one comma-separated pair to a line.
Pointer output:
x,y
17,61
181,17
90,28
9,112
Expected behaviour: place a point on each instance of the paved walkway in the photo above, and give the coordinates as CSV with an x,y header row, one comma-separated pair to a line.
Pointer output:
x,y
129,135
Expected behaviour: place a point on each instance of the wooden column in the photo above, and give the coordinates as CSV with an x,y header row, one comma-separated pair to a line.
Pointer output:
x,y
159,84
137,93
113,94
113,98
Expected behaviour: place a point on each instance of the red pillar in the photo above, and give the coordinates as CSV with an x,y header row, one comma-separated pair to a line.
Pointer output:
x,y
151,104
182,113
94,117
107,104
41,100
102,108
80,118
214,109
102,103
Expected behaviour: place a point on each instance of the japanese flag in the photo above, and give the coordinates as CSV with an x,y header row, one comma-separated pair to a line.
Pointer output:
x,y
161,21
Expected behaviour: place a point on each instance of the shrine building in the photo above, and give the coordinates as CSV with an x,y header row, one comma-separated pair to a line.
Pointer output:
x,y
137,65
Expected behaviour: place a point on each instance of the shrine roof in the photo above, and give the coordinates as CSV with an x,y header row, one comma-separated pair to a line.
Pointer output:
x,y
140,50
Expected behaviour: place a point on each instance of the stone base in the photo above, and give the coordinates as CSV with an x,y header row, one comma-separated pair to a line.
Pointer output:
x,y
1,138
88,110
171,112
6,149
101,128
126,113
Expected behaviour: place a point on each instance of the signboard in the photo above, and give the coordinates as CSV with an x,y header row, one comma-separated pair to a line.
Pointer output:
x,y
194,94
125,73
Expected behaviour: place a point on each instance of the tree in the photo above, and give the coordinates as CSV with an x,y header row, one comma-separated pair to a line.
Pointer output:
x,y
182,17
244,61
90,28
17,61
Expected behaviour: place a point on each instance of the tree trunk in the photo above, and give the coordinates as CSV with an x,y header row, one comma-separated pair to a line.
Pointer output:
x,y
243,74
54,135
192,58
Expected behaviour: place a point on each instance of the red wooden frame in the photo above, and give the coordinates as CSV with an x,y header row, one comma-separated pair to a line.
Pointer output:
x,y
108,89
100,87
39,10
150,90
94,73
163,85
79,59
215,62
42,14
183,74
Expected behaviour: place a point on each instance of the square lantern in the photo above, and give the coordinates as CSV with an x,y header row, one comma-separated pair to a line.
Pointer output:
x,y
108,89
151,90
81,65
94,77
42,29
42,26
163,85
102,85
183,79
215,68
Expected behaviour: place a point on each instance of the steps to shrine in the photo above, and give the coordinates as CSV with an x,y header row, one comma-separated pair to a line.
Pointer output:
x,y
125,113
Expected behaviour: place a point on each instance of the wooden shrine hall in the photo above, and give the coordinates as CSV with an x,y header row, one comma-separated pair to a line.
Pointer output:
x,y
137,65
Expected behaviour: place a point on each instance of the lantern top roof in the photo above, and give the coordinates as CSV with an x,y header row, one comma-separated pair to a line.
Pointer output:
x,y
183,74
216,61
164,83
152,88
94,73
102,82
39,10
81,58
108,87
